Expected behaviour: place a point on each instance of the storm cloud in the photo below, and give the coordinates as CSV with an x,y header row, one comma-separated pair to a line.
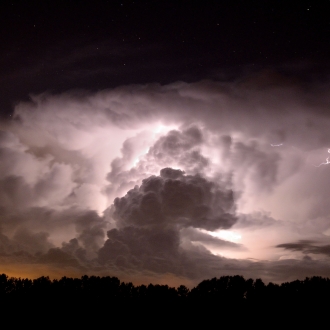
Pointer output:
x,y
189,179
150,219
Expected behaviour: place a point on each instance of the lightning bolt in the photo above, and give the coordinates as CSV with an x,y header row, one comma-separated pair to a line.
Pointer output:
x,y
327,161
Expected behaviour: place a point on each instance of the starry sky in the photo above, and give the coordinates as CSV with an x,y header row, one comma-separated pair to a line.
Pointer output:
x,y
165,141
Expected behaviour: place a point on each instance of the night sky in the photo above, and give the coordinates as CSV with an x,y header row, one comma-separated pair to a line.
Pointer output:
x,y
165,141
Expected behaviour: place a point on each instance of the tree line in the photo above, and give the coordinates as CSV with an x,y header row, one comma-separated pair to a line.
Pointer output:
x,y
226,301
222,290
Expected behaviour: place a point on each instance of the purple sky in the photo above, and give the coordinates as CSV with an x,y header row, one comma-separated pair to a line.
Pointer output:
x,y
166,143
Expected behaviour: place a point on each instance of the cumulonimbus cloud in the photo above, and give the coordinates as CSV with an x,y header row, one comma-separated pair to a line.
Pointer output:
x,y
159,167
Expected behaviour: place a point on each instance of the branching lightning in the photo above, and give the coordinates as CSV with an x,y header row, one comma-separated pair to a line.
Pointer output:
x,y
327,161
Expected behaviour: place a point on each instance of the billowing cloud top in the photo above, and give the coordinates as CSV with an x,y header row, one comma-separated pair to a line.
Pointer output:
x,y
182,181
176,199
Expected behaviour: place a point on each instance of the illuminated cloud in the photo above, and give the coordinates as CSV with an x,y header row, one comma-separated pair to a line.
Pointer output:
x,y
141,178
